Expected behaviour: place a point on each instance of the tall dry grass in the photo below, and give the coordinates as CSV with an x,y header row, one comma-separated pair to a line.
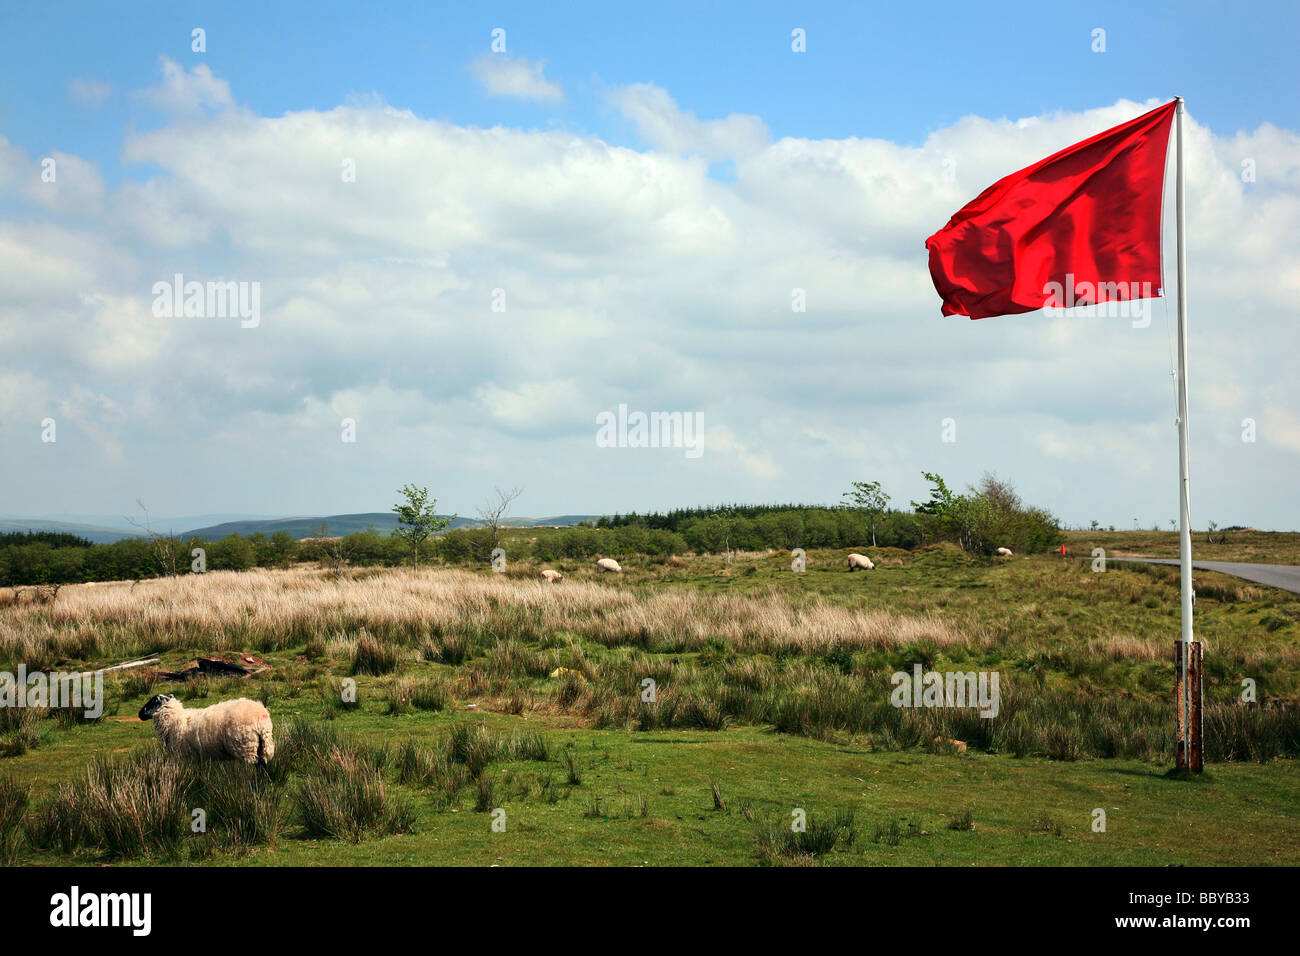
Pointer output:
x,y
274,610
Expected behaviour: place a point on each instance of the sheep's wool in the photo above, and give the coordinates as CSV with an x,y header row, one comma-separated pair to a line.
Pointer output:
x,y
231,730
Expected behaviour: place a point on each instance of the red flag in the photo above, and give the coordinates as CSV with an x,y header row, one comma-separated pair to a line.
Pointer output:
x,y
1079,227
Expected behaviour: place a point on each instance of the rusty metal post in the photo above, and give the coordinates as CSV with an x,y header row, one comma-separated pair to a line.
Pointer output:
x,y
1195,754
1190,751
1180,746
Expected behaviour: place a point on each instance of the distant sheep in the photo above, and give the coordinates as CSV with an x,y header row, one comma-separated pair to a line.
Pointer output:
x,y
860,561
231,730
608,564
1004,552
550,577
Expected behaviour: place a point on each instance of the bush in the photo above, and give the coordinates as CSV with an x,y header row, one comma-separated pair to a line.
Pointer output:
x,y
466,545
231,553
989,517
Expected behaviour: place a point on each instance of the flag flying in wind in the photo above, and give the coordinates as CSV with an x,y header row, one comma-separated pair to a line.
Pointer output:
x,y
1079,227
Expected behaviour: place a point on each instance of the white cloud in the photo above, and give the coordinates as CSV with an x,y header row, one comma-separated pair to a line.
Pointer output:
x,y
535,404
662,124
189,93
77,188
629,276
516,77
1281,427
720,440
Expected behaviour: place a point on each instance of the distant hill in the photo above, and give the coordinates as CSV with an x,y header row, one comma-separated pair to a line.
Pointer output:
x,y
339,525
105,529
104,532
336,525
130,513
95,533
560,521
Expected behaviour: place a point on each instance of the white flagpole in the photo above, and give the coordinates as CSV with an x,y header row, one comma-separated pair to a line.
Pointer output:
x,y
1185,516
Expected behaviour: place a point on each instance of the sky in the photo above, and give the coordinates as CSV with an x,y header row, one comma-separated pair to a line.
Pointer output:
x,y
471,230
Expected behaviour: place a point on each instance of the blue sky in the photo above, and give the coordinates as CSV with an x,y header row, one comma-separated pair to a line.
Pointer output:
x,y
650,188
871,69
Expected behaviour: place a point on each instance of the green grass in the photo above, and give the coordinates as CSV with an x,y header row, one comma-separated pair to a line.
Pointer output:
x,y
465,717
655,799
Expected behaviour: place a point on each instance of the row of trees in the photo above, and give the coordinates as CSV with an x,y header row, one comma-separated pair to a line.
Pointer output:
x,y
982,519
985,517
45,562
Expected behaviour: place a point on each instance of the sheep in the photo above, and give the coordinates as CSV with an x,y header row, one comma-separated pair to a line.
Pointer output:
x,y
608,564
860,561
550,577
1004,552
231,730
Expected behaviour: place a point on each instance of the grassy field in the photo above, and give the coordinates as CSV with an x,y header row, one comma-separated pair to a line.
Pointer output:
x,y
492,698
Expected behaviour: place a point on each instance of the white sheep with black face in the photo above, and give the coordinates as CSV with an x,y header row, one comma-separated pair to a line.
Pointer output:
x,y
608,565
860,561
551,576
1004,552
231,730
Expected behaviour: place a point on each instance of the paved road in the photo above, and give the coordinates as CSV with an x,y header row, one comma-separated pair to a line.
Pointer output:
x,y
1284,576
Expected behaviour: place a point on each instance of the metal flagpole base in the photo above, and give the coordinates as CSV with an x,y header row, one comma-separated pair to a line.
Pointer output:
x,y
1189,753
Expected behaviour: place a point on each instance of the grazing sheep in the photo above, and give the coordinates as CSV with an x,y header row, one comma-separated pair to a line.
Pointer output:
x,y
231,730
1004,552
550,577
860,561
608,564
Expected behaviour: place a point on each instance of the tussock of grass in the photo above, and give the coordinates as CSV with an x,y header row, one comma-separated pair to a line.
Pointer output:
x,y
408,695
422,767
350,805
22,729
128,808
779,843
373,656
13,805
964,821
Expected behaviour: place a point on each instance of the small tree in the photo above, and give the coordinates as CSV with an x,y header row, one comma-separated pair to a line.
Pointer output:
x,y
940,497
866,496
417,520
333,551
727,518
493,511
165,548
